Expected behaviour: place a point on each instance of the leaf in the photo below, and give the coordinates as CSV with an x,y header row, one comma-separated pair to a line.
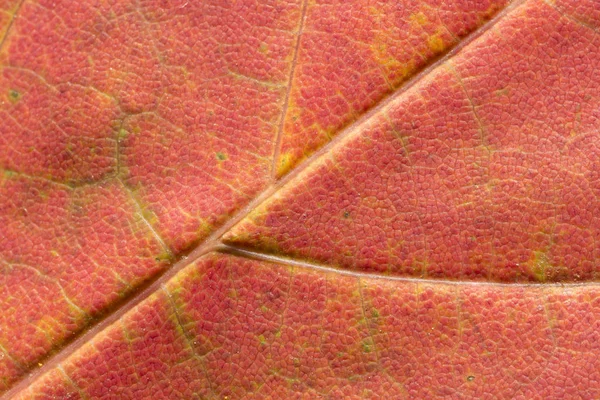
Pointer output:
x,y
179,220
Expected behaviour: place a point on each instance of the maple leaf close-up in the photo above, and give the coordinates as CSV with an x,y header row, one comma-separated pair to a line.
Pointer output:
x,y
252,199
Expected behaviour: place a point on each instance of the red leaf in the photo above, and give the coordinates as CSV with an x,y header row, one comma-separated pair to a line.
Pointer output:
x,y
178,220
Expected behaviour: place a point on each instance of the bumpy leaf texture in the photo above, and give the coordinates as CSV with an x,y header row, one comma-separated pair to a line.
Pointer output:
x,y
299,199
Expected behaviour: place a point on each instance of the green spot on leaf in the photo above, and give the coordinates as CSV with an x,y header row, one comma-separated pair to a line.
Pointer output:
x,y
262,340
366,347
163,257
540,265
14,95
221,156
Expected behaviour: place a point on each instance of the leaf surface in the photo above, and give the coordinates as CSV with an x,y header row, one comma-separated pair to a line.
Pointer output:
x,y
229,327
486,169
299,198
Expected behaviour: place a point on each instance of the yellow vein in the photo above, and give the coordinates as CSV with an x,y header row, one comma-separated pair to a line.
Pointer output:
x,y
140,211
286,100
10,24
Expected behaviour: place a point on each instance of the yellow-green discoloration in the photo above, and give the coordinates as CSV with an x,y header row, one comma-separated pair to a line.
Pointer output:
x,y
418,19
286,161
262,340
436,43
543,268
14,96
367,347
164,256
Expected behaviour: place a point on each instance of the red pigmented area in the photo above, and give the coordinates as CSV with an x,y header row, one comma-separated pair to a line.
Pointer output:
x,y
353,54
205,149
119,150
443,246
486,170
83,249
192,139
235,328
64,132
584,12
